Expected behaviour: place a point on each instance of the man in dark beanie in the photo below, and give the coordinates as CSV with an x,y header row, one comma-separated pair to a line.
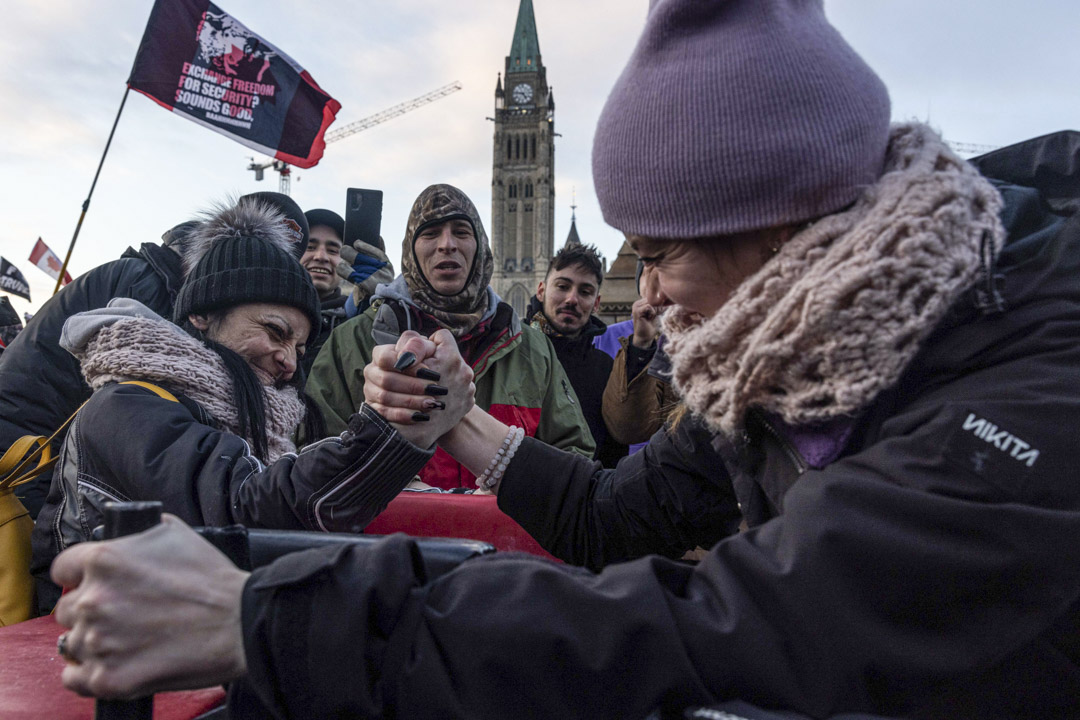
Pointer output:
x,y
330,263
294,218
446,267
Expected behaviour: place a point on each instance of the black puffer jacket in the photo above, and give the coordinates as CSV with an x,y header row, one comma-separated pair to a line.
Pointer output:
x,y
40,382
931,570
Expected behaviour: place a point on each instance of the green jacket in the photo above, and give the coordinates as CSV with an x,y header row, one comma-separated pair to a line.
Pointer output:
x,y
518,381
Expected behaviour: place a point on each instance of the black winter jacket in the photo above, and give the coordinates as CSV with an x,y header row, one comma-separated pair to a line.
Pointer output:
x,y
40,382
127,443
333,313
931,571
587,369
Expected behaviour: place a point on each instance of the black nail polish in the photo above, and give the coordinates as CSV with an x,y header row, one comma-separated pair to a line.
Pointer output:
x,y
420,417
405,361
436,390
425,374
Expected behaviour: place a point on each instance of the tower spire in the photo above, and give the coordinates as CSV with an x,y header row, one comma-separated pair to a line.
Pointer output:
x,y
573,238
525,48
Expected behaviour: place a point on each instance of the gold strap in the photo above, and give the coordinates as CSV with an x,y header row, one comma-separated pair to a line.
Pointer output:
x,y
13,462
159,391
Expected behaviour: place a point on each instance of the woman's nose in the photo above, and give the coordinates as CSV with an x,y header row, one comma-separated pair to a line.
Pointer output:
x,y
287,360
650,290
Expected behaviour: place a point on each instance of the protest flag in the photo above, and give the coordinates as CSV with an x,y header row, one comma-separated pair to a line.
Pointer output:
x,y
199,62
13,281
47,260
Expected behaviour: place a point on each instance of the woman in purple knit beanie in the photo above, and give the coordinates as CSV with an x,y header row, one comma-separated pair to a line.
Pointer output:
x,y
877,349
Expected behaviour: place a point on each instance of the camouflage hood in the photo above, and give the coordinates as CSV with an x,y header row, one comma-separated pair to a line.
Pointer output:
x,y
460,312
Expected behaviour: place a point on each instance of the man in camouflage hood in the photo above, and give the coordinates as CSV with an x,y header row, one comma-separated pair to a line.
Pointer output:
x,y
441,220
446,266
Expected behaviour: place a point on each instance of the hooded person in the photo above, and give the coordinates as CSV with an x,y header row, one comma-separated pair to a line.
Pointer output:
x,y
200,413
446,267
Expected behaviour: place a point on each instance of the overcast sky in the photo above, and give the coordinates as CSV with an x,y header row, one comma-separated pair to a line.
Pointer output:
x,y
981,71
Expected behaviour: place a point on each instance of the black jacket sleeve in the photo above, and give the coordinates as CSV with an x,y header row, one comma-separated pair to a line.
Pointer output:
x,y
670,497
941,607
208,476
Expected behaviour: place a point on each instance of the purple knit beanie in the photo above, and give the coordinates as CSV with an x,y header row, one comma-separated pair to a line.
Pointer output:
x,y
737,115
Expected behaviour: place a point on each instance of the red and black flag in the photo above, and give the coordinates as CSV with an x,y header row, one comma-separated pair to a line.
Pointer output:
x,y
200,62
13,281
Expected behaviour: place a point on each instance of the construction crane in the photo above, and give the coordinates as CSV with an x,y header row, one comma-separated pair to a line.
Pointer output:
x,y
285,171
966,148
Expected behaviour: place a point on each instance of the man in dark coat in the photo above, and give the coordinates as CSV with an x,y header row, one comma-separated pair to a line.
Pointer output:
x,y
320,259
40,382
563,310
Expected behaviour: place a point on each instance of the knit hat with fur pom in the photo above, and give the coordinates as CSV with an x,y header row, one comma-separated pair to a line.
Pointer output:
x,y
244,255
737,115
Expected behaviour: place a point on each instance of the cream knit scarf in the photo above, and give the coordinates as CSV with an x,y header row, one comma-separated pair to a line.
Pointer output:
x,y
155,351
835,317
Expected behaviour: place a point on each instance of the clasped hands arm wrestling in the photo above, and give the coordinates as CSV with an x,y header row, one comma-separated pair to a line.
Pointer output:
x,y
161,610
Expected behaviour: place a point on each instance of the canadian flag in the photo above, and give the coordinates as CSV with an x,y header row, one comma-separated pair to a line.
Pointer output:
x,y
48,261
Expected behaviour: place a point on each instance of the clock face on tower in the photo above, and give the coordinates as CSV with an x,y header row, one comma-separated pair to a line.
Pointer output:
x,y
523,93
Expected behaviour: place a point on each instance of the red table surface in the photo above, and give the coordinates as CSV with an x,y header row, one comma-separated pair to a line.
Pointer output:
x,y
30,681
474,517
30,668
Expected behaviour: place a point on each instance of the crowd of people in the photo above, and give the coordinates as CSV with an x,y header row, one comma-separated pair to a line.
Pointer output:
x,y
855,364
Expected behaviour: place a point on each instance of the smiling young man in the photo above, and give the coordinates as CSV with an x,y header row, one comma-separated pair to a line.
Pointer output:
x,y
446,268
320,259
563,310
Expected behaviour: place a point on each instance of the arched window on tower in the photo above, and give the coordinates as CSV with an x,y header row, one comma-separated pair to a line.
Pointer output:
x,y
518,298
509,147
517,147
534,147
513,190
528,190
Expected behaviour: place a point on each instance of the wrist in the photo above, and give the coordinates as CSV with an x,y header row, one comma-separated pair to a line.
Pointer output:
x,y
643,343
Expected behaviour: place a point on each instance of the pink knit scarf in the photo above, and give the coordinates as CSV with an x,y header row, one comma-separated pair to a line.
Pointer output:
x,y
835,317
155,351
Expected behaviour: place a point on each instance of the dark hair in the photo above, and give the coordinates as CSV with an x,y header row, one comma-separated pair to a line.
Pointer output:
x,y
247,396
586,256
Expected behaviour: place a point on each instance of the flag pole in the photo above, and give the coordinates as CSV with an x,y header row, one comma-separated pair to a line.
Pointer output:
x,y
86,203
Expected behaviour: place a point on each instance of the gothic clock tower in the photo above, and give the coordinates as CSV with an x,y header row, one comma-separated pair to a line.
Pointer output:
x,y
523,169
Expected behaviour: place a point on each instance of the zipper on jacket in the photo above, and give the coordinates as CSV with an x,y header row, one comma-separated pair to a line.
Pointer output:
x,y
569,395
788,449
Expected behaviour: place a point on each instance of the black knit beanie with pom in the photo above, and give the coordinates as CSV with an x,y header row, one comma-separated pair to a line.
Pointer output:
x,y
246,258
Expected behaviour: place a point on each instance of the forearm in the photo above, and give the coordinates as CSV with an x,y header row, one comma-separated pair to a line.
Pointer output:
x,y
475,440
336,485
586,515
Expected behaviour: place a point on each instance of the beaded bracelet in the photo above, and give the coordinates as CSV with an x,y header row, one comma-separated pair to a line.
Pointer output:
x,y
490,478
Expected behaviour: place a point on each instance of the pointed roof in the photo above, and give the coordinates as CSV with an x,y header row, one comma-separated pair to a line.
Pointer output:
x,y
573,238
525,48
620,282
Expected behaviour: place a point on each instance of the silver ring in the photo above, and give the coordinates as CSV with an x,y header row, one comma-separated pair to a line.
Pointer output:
x,y
62,649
